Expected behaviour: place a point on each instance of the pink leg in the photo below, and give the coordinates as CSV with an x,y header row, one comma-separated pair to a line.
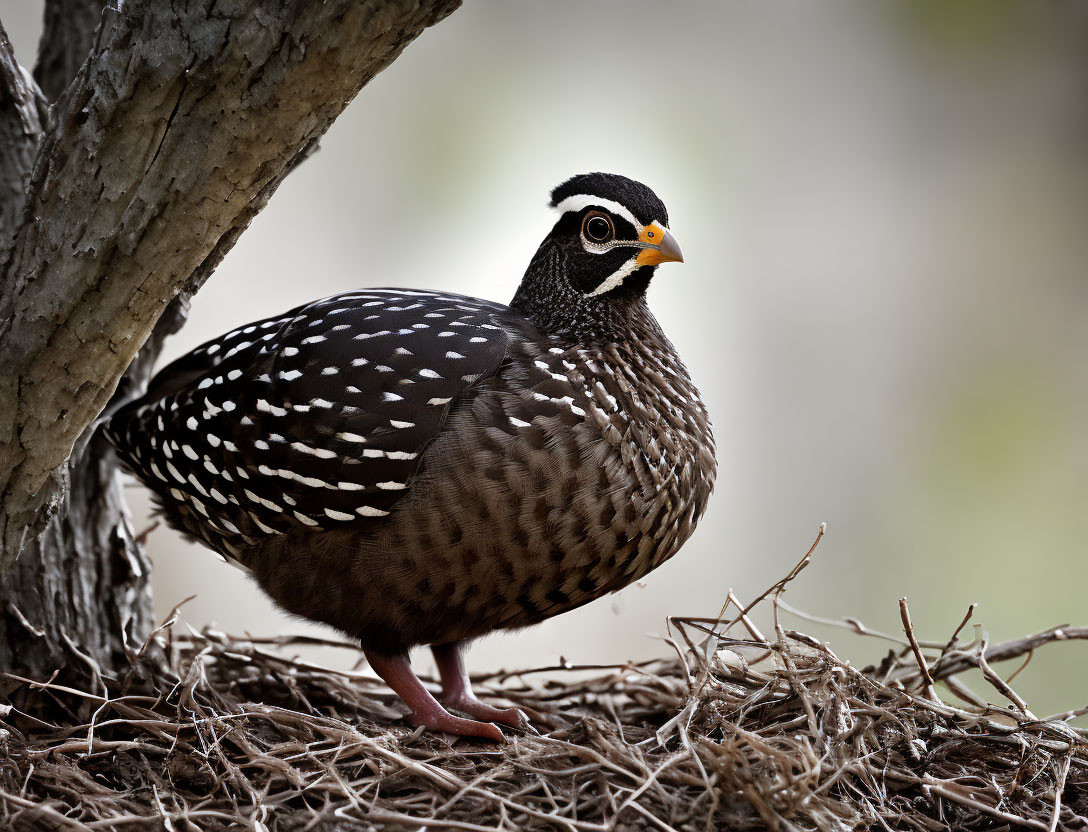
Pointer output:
x,y
457,689
426,711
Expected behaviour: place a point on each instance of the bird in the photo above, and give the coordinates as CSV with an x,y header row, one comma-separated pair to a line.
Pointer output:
x,y
417,467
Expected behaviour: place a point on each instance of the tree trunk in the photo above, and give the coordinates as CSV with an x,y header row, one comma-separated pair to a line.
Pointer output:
x,y
172,126
84,580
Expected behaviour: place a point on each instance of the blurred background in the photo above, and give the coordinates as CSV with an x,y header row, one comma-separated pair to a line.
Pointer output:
x,y
884,210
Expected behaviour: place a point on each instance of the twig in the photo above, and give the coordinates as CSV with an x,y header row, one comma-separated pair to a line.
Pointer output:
x,y
779,586
908,628
1005,650
952,641
141,538
994,679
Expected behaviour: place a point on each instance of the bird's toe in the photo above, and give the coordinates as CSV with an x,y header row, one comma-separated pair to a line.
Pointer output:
x,y
450,724
474,707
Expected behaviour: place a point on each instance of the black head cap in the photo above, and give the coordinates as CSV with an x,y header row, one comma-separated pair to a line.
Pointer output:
x,y
636,197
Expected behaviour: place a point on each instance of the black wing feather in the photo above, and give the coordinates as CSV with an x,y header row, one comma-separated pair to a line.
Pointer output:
x,y
314,418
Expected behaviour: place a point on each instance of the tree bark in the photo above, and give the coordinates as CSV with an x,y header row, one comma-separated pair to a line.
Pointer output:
x,y
23,111
67,39
159,151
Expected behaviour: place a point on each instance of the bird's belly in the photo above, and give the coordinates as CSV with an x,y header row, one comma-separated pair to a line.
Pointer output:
x,y
470,549
500,534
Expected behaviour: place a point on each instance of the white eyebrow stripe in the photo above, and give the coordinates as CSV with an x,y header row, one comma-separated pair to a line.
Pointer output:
x,y
581,201
616,278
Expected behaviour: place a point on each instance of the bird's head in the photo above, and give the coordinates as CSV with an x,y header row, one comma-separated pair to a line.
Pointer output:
x,y
612,232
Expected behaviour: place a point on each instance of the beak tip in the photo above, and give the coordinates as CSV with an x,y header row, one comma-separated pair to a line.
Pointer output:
x,y
671,249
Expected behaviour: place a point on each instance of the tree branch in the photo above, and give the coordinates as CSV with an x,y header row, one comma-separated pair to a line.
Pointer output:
x,y
23,112
174,134
67,38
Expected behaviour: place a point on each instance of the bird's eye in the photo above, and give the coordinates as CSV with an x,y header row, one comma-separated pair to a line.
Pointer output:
x,y
597,228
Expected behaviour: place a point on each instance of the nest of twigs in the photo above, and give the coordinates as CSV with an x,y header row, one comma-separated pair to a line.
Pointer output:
x,y
737,731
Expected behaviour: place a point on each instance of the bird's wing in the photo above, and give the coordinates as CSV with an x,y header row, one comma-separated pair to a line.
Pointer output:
x,y
318,420
201,361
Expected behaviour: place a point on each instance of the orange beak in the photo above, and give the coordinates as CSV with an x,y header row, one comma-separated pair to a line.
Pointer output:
x,y
663,246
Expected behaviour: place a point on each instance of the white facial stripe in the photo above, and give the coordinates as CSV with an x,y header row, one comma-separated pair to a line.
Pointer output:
x,y
579,202
616,278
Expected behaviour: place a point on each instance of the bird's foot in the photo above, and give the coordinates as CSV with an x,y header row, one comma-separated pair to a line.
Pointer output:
x,y
439,719
474,707
426,711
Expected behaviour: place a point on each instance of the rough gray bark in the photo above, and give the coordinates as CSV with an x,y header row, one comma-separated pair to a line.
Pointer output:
x,y
67,38
175,132
22,113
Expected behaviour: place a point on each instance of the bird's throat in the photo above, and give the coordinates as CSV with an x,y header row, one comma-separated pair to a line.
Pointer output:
x,y
547,298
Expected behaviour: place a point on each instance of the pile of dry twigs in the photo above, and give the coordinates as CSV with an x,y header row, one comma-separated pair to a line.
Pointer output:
x,y
738,731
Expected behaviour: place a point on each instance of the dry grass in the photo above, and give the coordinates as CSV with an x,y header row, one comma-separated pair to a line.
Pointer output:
x,y
738,731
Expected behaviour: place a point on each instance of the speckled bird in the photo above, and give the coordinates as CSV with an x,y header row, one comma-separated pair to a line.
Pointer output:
x,y
420,468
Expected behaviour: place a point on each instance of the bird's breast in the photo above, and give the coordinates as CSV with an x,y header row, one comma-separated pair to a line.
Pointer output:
x,y
574,472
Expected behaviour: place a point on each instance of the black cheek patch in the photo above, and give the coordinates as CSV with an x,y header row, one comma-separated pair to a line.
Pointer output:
x,y
589,270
